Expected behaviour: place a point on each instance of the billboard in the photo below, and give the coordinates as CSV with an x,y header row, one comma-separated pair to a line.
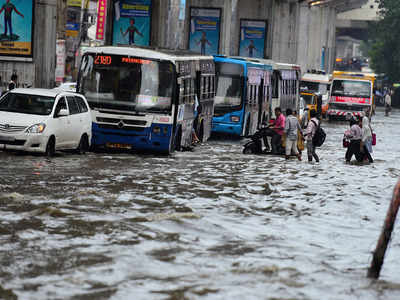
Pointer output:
x,y
60,56
101,19
132,22
204,30
252,38
16,27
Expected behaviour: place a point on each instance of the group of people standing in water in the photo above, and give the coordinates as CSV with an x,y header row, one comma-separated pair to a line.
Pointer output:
x,y
360,137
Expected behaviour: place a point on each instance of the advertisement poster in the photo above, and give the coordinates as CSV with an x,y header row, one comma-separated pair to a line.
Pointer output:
x,y
101,19
204,30
132,22
252,38
16,27
60,66
72,27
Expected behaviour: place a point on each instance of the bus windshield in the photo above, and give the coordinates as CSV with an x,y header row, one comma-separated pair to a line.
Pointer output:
x,y
229,86
126,83
316,87
352,88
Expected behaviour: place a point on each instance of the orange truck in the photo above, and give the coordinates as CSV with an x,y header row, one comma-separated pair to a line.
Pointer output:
x,y
351,93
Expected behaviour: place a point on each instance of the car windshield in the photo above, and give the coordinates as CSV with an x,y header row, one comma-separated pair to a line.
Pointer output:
x,y
27,104
229,85
126,83
351,88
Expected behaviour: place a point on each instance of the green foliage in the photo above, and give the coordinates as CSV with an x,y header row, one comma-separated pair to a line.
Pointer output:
x,y
385,43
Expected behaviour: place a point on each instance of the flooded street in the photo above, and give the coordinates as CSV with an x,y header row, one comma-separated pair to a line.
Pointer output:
x,y
208,224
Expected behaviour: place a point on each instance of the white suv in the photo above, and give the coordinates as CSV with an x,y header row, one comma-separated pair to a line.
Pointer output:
x,y
43,120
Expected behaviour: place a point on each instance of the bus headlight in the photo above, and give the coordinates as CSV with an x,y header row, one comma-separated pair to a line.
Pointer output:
x,y
156,130
235,119
37,128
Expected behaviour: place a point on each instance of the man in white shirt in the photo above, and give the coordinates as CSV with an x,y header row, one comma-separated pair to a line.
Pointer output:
x,y
388,103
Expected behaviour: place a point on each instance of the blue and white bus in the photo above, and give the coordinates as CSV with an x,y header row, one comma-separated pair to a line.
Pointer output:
x,y
243,95
144,99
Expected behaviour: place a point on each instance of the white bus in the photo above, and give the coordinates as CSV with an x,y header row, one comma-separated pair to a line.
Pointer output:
x,y
145,99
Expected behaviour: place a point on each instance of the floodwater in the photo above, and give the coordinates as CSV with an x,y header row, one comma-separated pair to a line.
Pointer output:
x,y
208,224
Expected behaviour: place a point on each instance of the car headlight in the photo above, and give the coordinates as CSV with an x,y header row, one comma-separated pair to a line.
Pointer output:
x,y
235,118
37,128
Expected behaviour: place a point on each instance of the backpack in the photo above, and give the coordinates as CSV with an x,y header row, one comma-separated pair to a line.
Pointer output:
x,y
319,136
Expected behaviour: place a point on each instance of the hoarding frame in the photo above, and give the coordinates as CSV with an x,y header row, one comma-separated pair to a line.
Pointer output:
x,y
265,21
219,9
23,57
150,26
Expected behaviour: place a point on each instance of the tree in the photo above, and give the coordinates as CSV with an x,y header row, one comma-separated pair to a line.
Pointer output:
x,y
385,41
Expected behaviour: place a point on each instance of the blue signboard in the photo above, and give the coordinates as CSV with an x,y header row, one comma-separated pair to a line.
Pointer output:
x,y
252,38
204,30
16,27
132,21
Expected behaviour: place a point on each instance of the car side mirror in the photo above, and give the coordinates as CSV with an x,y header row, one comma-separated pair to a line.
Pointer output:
x,y
62,113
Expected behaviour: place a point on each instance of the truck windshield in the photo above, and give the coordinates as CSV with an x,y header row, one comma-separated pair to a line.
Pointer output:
x,y
229,86
126,83
351,88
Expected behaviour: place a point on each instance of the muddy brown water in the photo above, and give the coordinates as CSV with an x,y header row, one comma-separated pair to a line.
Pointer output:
x,y
208,224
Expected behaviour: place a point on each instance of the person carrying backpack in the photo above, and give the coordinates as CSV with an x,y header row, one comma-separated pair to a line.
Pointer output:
x,y
309,134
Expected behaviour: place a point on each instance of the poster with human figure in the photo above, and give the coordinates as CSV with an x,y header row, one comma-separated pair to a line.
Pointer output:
x,y
16,23
131,22
252,38
204,30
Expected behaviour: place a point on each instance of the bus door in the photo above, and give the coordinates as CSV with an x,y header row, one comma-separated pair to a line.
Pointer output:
x,y
185,109
205,79
253,104
261,101
266,97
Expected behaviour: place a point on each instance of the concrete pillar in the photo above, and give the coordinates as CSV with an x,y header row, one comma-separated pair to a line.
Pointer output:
x,y
45,43
234,28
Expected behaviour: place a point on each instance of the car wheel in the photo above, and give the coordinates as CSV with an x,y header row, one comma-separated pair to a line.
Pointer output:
x,y
83,146
51,147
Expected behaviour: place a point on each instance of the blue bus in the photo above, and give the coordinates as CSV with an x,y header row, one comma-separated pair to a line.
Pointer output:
x,y
243,95
144,99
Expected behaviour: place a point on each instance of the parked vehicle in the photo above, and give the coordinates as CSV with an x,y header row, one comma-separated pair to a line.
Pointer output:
x,y
317,81
44,121
144,99
285,85
243,95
